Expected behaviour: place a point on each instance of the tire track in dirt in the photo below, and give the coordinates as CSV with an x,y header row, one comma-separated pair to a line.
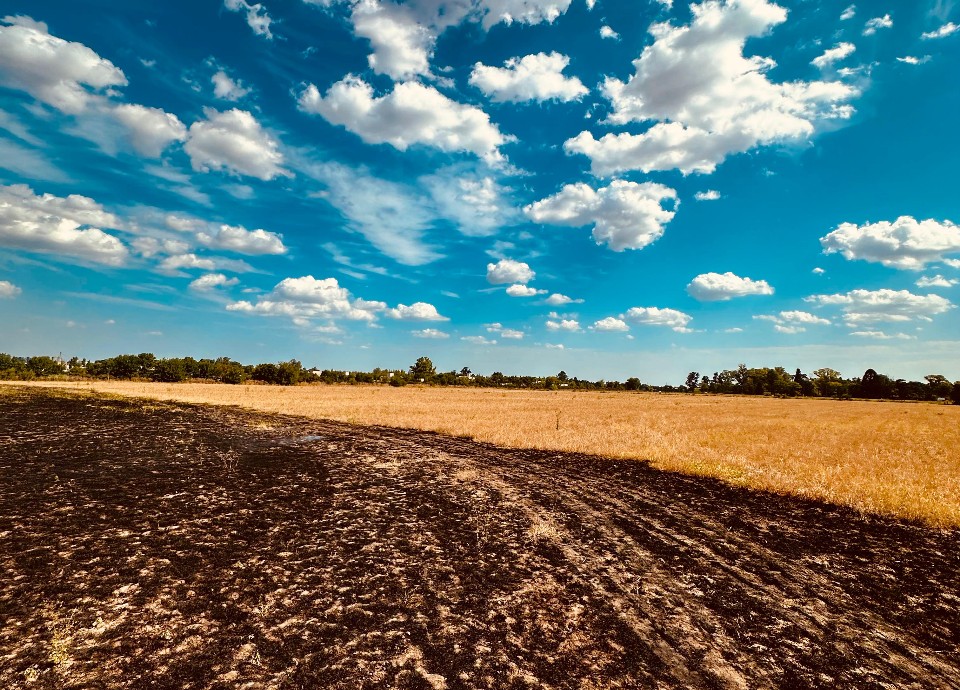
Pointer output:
x,y
809,608
174,546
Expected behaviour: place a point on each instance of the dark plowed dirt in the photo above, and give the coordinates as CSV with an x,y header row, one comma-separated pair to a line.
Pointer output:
x,y
151,545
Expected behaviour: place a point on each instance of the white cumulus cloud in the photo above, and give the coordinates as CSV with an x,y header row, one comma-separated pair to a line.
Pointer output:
x,y
654,316
906,243
945,30
307,297
509,271
227,88
796,317
151,129
256,16
74,79
521,11
410,114
781,328
64,226
242,241
216,236
558,300
884,22
607,32
403,35
176,262
402,46
707,99
793,321
665,146
430,333
570,325
234,141
624,215
719,287
8,290
478,340
709,195
537,77
804,317
418,311
505,333
611,324
211,281
835,54
873,306
519,290
936,281
152,246
66,75
880,335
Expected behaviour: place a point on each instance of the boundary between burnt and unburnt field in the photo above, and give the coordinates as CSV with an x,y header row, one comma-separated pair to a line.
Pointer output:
x,y
878,458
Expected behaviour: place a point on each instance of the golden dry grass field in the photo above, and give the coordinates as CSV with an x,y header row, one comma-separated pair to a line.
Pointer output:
x,y
894,459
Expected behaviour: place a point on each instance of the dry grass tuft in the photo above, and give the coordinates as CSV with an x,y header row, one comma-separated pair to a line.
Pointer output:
x,y
893,459
543,530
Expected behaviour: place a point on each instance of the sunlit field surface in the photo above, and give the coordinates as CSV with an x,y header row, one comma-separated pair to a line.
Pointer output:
x,y
895,459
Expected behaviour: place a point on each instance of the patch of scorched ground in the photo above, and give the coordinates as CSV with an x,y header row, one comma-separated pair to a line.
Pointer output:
x,y
172,546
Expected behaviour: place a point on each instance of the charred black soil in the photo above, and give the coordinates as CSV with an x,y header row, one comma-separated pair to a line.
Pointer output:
x,y
155,545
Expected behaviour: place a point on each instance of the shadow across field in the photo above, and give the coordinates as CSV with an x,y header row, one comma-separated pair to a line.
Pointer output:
x,y
148,544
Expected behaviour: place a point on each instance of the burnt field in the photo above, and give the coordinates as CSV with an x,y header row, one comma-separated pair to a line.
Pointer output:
x,y
162,545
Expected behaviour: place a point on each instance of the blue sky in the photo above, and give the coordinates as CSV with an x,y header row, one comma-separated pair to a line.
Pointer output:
x,y
635,188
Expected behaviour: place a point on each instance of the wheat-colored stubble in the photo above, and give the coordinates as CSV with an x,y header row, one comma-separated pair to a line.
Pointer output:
x,y
896,459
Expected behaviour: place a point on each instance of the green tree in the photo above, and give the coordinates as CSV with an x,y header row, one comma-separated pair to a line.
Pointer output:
x,y
146,361
740,376
289,373
265,372
44,366
123,366
12,368
693,380
233,373
955,393
938,385
423,370
169,371
827,382
876,386
804,382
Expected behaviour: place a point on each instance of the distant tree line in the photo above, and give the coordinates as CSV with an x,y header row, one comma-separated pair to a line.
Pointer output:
x,y
776,381
147,366
822,383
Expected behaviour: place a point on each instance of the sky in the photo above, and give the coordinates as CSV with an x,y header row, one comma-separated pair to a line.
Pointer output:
x,y
613,188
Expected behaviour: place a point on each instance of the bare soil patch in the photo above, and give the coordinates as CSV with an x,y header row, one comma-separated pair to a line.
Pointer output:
x,y
150,544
